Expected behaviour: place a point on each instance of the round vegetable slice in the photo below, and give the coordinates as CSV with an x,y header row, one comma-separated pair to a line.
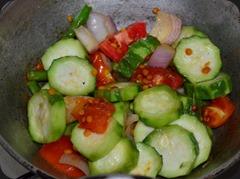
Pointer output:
x,y
198,59
178,147
94,146
121,159
63,47
158,106
200,132
211,89
72,75
46,116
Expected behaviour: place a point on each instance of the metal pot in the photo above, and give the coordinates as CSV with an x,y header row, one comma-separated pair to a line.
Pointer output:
x,y
28,27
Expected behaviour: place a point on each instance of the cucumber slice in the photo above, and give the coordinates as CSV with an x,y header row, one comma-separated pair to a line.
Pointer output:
x,y
158,106
46,116
198,59
96,146
141,131
188,31
64,47
136,54
200,132
149,162
121,111
178,148
121,159
217,87
119,91
72,76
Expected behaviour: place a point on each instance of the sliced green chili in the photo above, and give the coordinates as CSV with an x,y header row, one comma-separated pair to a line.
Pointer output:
x,y
80,19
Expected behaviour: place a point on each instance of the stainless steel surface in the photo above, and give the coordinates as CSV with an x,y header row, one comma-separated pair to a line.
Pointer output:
x,y
28,27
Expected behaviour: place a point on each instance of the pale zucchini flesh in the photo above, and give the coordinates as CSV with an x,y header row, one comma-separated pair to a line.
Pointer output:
x,y
178,148
197,59
72,75
121,159
62,48
46,117
96,146
200,132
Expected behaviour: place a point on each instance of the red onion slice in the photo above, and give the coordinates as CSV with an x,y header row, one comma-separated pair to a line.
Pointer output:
x,y
87,39
100,25
130,124
75,161
162,56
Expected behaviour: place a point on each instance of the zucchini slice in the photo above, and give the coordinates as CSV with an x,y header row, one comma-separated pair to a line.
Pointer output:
x,y
188,31
121,111
200,132
158,106
198,59
178,148
46,116
96,146
121,159
72,75
63,47
118,91
141,131
192,106
149,162
217,87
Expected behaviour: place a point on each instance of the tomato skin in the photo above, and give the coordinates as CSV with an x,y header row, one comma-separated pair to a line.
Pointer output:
x,y
217,112
99,61
116,46
94,114
52,153
149,76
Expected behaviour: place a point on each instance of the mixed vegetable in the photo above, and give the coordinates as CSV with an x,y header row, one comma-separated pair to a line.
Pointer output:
x,y
128,101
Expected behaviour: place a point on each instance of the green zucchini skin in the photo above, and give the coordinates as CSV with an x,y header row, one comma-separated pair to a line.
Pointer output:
x,y
121,111
178,148
136,55
62,48
189,103
46,116
158,106
96,146
217,87
188,31
197,59
72,76
118,91
141,131
201,134
121,159
149,162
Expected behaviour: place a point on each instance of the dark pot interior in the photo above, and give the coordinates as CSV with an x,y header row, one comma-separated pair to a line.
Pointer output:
x,y
28,27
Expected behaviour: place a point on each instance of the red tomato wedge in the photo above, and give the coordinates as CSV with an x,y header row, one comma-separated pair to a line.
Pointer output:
x,y
116,46
149,76
94,115
103,66
52,153
217,112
